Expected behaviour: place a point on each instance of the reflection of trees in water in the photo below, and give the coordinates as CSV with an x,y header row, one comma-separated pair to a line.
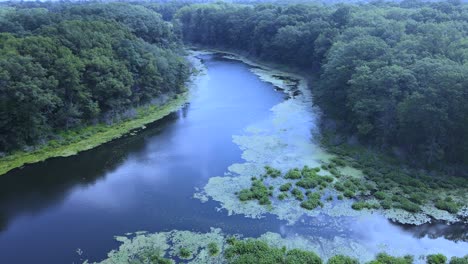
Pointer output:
x,y
454,232
38,186
3,222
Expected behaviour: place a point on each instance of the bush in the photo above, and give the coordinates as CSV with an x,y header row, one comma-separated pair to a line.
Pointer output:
x,y
231,240
380,195
386,204
361,205
184,253
409,206
282,196
447,205
338,162
258,191
310,204
297,256
297,194
285,187
340,197
293,174
308,183
340,259
272,172
456,260
349,194
436,259
213,249
383,258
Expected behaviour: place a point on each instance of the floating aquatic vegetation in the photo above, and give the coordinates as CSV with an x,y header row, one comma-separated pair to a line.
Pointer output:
x,y
141,247
287,140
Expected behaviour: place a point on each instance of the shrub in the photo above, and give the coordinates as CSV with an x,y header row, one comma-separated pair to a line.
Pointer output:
x,y
386,204
340,259
380,195
285,187
258,191
418,197
213,249
282,196
361,205
184,253
338,162
297,194
447,205
297,256
409,206
310,204
436,259
272,172
349,194
340,197
293,174
456,260
231,240
308,183
383,258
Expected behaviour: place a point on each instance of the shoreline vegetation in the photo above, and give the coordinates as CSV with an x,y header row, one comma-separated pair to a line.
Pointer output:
x,y
75,141
89,137
216,247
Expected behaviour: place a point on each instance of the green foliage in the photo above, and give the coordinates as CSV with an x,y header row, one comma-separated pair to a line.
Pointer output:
x,y
380,195
383,258
185,253
436,259
256,251
293,174
81,64
340,259
274,173
297,256
364,205
447,205
285,187
456,260
398,82
282,196
297,194
312,202
258,191
213,249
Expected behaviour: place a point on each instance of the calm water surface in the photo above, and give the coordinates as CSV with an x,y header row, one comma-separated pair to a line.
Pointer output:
x,y
146,182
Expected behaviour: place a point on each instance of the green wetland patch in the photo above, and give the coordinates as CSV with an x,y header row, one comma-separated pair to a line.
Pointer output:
x,y
216,247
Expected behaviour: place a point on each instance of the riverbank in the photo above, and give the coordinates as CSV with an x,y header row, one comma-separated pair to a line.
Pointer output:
x,y
77,140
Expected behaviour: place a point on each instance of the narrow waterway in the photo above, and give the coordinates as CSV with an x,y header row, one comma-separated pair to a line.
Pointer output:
x,y
67,210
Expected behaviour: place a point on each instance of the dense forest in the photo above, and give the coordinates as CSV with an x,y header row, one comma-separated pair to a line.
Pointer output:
x,y
67,65
394,75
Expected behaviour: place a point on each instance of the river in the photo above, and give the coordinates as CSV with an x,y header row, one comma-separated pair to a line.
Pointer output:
x,y
67,210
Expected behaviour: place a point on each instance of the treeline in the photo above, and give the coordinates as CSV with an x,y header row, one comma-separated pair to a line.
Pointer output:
x,y
393,74
68,65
